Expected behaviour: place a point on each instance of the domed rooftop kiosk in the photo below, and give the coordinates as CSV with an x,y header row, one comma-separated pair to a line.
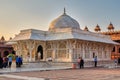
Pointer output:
x,y
64,21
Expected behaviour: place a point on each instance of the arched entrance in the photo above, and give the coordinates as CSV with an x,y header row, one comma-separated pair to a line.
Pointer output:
x,y
40,52
6,53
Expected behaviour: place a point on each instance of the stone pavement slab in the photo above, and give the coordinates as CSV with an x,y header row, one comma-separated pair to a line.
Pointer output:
x,y
11,70
75,74
37,72
21,77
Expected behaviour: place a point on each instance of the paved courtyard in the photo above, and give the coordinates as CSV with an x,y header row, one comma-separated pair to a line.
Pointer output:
x,y
69,74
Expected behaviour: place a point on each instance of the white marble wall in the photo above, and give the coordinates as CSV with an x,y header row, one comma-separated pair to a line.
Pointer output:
x,y
63,50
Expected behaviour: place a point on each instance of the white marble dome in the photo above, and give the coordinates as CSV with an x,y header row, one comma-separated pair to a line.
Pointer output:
x,y
64,21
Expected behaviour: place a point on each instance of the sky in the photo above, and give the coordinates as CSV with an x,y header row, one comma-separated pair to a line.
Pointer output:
x,y
16,15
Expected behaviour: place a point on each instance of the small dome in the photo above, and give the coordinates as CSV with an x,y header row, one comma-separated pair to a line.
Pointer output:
x,y
64,21
10,38
110,27
86,28
2,39
97,28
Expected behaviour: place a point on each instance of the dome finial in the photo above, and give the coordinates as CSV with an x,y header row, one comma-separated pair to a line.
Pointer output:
x,y
110,27
110,22
64,10
97,28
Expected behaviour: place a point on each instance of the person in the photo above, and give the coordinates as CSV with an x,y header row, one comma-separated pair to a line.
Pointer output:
x,y
78,61
5,62
17,62
10,60
115,61
81,63
21,59
1,62
39,56
95,61
50,59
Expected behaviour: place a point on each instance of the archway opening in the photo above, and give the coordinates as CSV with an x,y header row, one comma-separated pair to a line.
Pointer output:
x,y
113,49
93,55
6,53
40,52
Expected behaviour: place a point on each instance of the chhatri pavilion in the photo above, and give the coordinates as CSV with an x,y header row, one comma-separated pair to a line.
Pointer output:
x,y
63,42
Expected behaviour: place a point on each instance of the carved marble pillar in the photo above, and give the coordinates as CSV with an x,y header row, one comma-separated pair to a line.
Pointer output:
x,y
90,47
83,45
73,46
44,51
19,48
69,50
54,55
30,47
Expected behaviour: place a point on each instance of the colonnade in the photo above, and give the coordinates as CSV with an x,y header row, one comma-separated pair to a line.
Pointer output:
x,y
63,50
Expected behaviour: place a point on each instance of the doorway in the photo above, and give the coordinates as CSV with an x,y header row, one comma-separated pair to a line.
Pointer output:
x,y
40,52
6,53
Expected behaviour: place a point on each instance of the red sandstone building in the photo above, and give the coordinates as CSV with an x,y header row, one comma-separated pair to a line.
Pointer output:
x,y
115,36
4,48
